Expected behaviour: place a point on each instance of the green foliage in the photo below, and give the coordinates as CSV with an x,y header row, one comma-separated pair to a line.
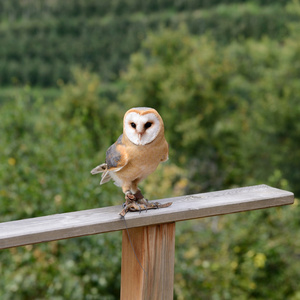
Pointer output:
x,y
83,101
42,40
14,9
45,158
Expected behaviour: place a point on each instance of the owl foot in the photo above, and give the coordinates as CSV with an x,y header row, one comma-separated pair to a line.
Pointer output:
x,y
145,204
130,197
129,207
140,204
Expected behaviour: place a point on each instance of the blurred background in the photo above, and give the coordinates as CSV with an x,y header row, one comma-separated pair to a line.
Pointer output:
x,y
224,75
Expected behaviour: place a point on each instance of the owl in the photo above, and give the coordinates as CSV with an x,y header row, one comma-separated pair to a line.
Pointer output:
x,y
135,155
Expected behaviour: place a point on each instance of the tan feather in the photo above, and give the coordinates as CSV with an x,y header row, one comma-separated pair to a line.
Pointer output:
x,y
105,177
99,169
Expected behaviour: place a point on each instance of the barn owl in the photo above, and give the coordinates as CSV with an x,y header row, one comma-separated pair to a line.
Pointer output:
x,y
135,155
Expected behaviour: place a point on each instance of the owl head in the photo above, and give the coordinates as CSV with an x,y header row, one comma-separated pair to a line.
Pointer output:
x,y
142,125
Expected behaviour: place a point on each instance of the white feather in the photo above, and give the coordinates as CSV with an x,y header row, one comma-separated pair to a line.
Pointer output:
x,y
116,179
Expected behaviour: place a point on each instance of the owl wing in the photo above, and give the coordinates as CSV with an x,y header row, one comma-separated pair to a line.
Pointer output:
x,y
116,159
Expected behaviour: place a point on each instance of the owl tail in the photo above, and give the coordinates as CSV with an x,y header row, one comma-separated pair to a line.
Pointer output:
x,y
99,169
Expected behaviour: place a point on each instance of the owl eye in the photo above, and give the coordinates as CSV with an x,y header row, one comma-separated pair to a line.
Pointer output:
x,y
133,125
147,125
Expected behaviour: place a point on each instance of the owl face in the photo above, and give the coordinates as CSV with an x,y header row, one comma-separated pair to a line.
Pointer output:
x,y
142,125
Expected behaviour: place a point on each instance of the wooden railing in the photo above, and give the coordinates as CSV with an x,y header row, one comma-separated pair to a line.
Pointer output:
x,y
147,270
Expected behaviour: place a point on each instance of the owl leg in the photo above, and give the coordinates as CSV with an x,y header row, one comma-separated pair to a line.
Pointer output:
x,y
129,193
140,200
138,195
132,192
129,199
129,196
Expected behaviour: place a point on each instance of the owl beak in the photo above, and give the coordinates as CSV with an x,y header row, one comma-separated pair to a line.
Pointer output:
x,y
140,135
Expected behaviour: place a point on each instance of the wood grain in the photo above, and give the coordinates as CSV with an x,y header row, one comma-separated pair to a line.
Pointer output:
x,y
100,220
154,249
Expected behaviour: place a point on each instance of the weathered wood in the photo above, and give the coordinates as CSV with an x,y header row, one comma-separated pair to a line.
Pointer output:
x,y
154,249
100,220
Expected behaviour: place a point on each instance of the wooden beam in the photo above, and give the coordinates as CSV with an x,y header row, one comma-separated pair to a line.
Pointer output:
x,y
100,220
147,272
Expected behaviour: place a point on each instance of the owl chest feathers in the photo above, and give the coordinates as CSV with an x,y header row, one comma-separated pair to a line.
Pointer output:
x,y
139,160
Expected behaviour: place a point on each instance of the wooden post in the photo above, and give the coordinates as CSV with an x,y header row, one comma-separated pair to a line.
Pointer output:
x,y
154,250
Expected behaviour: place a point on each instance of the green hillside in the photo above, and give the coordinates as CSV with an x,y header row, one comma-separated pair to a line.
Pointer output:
x,y
42,40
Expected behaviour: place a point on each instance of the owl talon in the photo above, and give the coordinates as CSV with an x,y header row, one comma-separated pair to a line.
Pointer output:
x,y
123,212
